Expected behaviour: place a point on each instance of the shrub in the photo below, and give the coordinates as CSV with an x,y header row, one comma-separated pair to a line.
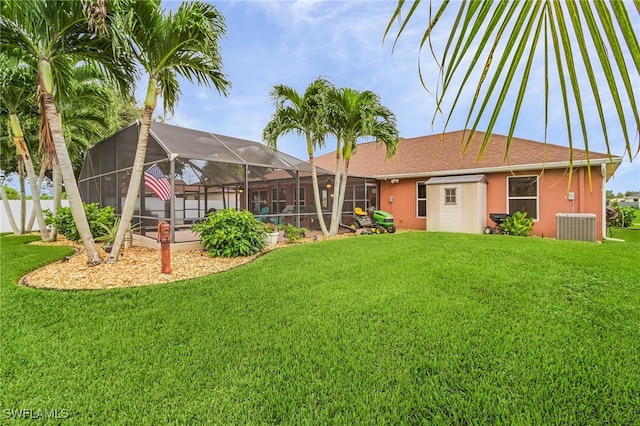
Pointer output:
x,y
518,224
96,216
231,233
12,194
292,233
625,217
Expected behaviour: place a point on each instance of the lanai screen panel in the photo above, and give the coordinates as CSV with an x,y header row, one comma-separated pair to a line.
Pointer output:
x,y
193,144
254,153
106,171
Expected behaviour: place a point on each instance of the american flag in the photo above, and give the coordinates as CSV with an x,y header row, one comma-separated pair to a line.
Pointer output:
x,y
157,182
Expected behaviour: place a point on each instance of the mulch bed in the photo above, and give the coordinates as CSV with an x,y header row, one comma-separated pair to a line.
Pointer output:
x,y
138,266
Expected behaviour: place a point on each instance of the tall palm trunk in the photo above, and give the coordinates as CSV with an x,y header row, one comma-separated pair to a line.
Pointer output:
x,y
316,195
23,195
18,139
57,194
339,177
7,209
134,183
69,179
340,197
32,218
35,197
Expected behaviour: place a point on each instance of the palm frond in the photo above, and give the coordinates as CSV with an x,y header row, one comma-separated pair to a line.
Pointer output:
x,y
596,39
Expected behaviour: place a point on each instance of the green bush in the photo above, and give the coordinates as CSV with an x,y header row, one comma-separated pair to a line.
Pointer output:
x,y
231,233
12,194
625,217
96,216
292,233
518,224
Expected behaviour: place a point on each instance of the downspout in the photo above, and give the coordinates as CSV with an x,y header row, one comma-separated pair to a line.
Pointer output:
x,y
246,188
603,169
172,200
297,199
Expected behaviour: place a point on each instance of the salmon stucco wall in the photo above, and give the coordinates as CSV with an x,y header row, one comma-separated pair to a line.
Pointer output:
x,y
553,198
404,205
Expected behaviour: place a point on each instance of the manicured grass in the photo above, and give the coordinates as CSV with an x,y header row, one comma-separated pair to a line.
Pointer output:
x,y
386,329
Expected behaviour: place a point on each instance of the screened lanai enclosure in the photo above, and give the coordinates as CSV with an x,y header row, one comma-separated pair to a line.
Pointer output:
x,y
190,173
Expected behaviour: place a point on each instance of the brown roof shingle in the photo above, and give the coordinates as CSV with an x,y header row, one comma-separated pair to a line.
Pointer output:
x,y
443,153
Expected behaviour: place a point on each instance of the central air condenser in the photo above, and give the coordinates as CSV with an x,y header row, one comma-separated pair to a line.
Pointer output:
x,y
576,226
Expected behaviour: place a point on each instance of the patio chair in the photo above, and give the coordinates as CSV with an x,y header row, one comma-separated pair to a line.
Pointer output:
x,y
263,214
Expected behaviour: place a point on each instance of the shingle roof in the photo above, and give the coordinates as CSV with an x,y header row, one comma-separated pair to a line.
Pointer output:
x,y
442,154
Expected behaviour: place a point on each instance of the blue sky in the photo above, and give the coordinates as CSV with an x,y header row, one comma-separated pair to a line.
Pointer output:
x,y
273,42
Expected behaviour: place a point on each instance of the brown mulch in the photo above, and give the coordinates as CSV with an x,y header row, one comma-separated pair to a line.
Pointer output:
x,y
138,266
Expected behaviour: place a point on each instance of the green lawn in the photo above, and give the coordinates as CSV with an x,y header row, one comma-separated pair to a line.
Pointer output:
x,y
387,329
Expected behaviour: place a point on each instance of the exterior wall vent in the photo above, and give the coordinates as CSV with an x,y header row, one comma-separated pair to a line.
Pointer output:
x,y
576,226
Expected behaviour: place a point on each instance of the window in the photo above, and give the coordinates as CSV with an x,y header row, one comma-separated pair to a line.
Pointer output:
x,y
301,200
450,196
522,195
422,199
278,199
258,201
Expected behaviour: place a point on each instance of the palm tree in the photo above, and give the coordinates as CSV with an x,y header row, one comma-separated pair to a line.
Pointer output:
x,y
17,86
591,38
88,115
357,115
306,115
181,43
51,37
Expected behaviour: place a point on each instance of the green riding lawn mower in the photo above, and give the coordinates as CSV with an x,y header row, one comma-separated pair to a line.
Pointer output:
x,y
372,222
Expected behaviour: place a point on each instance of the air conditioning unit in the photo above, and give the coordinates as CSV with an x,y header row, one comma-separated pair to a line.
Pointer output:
x,y
576,226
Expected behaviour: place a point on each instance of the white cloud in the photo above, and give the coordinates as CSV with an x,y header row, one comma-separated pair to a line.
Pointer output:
x,y
293,42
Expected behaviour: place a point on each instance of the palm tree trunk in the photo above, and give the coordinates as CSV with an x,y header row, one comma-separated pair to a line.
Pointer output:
x,y
133,190
57,194
23,196
316,195
69,179
35,197
7,209
337,184
32,218
341,195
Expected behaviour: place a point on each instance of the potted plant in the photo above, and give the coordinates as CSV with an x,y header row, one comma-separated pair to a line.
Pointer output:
x,y
271,235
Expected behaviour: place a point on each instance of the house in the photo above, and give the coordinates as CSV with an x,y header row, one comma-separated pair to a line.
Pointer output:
x,y
434,184
631,200
430,184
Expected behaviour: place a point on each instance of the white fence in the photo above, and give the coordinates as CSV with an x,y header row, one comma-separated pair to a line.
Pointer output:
x,y
15,209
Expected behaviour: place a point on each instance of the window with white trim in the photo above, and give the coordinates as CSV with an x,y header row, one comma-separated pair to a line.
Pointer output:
x,y
278,199
522,195
450,196
301,199
421,200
